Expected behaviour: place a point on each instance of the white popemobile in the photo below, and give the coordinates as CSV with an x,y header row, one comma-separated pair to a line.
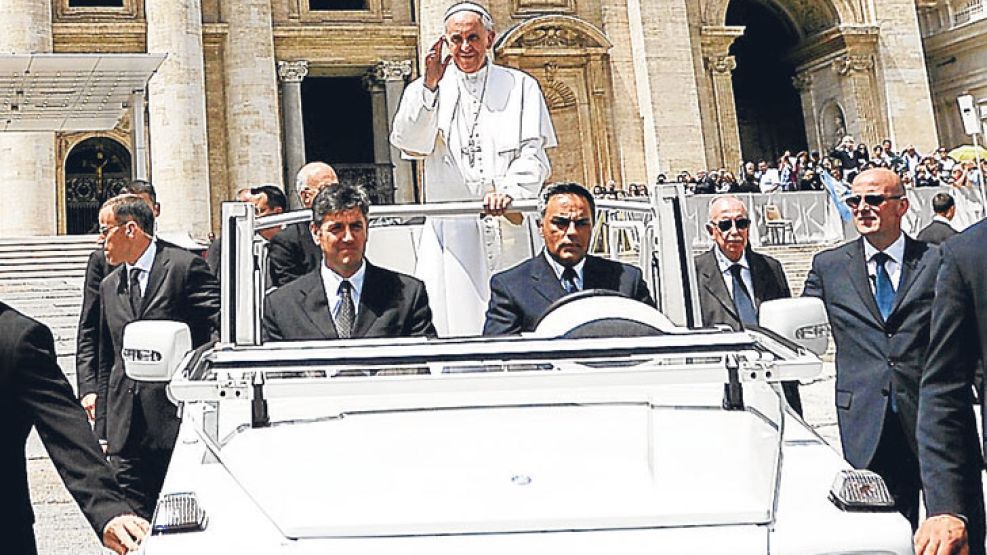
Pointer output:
x,y
613,428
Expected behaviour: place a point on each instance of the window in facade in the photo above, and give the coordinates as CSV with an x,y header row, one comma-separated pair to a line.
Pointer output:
x,y
329,5
95,3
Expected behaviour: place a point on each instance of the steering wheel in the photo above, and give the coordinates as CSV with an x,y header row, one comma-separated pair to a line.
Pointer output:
x,y
601,313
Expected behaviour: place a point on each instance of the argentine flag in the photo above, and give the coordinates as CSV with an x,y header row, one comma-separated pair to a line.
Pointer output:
x,y
837,192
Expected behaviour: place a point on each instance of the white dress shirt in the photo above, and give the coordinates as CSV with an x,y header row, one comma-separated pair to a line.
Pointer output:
x,y
558,269
331,281
897,254
144,264
745,272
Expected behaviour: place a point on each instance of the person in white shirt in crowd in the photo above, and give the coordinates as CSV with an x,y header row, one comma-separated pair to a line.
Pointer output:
x,y
482,130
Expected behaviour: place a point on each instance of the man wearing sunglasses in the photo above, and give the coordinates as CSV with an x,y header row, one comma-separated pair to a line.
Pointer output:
x,y
293,251
733,279
878,292
519,296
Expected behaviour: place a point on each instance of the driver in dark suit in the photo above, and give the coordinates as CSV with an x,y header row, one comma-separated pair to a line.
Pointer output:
x,y
346,296
519,296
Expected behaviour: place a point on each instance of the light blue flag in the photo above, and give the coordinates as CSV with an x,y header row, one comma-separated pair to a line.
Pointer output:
x,y
837,192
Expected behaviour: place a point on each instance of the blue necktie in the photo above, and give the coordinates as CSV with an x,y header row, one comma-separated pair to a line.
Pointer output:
x,y
569,281
742,298
883,290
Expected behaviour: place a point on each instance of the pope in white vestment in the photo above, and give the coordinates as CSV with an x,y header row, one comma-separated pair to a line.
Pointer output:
x,y
482,132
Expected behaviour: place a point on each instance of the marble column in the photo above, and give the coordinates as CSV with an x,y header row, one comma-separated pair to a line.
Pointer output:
x,y
291,74
903,74
721,120
391,75
673,134
177,108
27,174
802,81
254,145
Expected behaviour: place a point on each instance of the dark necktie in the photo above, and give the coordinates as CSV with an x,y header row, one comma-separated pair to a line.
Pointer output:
x,y
742,298
347,312
135,290
883,290
569,281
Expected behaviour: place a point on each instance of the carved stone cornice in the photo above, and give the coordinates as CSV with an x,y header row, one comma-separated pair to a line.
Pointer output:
x,y
716,40
292,71
392,70
724,64
847,65
802,81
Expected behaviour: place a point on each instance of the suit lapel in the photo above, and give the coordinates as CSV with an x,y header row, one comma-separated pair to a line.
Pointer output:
x,y
544,280
159,269
315,305
857,268
371,298
910,269
123,294
712,280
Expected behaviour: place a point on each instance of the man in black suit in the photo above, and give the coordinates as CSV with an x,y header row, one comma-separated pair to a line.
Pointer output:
x,y
948,446
87,338
293,252
878,292
34,392
520,295
346,296
940,228
267,200
734,280
153,281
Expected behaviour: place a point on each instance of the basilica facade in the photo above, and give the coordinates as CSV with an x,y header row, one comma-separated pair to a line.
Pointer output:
x,y
252,89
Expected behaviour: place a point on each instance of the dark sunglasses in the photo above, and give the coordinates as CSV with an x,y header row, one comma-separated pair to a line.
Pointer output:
x,y
875,200
564,223
725,225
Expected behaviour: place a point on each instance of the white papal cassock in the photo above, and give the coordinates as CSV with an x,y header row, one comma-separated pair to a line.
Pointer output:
x,y
504,113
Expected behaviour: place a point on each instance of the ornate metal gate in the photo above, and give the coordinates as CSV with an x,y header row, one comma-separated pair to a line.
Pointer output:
x,y
95,170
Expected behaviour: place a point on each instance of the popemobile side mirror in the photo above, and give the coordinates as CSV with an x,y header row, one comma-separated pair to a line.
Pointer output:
x,y
801,320
154,349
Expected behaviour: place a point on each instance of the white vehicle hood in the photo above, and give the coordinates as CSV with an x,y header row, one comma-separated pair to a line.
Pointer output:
x,y
508,469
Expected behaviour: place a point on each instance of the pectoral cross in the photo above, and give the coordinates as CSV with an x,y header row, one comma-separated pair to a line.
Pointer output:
x,y
471,150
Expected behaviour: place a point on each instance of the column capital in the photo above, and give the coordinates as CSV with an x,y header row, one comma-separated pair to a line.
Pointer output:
x,y
847,65
722,64
802,81
392,70
717,40
292,71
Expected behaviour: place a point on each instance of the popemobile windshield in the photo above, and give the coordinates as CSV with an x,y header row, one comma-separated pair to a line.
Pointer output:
x,y
613,427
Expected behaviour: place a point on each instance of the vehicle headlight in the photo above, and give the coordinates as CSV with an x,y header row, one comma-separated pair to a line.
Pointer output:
x,y
860,490
178,512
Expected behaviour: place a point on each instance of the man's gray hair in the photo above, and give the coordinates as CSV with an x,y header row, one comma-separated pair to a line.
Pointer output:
x,y
724,197
565,188
340,198
471,7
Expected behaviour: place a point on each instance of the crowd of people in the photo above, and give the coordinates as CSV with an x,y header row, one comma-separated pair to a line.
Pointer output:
x,y
804,171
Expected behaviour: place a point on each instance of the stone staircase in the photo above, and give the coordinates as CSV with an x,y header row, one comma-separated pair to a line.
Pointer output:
x,y
42,277
796,260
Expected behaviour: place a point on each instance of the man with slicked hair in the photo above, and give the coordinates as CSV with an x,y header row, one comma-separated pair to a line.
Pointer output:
x,y
346,296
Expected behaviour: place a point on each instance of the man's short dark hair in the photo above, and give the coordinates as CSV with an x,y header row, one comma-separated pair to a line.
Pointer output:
x,y
141,187
130,207
275,196
942,202
339,198
565,188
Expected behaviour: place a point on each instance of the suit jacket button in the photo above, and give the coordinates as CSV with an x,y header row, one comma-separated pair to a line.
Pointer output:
x,y
890,335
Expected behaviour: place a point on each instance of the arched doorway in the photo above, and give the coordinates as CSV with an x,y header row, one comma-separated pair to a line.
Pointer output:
x,y
769,110
95,170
